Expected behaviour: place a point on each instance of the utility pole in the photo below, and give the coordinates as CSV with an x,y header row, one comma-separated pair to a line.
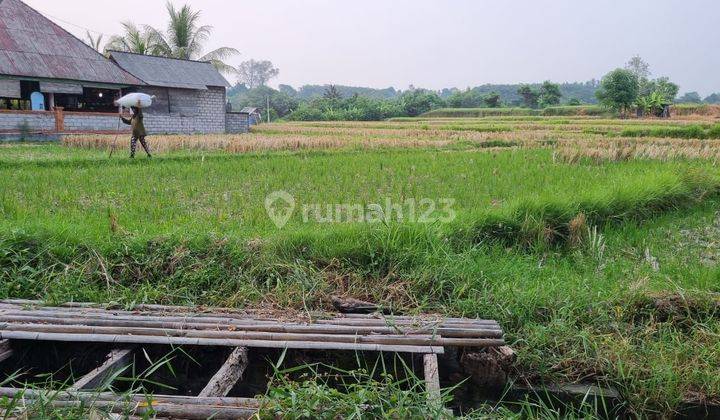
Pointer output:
x,y
268,108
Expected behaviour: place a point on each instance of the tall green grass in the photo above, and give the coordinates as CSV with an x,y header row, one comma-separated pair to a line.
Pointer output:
x,y
579,110
560,254
686,132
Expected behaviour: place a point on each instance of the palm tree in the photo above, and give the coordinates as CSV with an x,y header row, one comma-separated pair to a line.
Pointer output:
x,y
93,42
137,40
185,38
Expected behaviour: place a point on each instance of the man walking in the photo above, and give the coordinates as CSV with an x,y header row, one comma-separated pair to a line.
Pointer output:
x,y
138,131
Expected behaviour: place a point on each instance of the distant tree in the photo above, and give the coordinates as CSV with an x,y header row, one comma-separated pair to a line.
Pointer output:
x,y
492,100
94,42
418,101
529,96
690,98
470,98
665,87
549,94
712,99
653,104
287,89
281,104
638,67
618,90
256,73
238,90
574,102
332,93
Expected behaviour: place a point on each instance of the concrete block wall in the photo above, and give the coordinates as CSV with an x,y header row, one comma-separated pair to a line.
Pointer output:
x,y
196,111
236,122
11,121
77,121
186,111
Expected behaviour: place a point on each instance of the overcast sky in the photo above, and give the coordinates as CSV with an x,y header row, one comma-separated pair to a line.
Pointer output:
x,y
437,44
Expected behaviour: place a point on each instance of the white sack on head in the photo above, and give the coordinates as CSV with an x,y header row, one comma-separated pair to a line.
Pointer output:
x,y
140,100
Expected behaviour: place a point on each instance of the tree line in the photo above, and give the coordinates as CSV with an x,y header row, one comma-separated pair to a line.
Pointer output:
x,y
623,89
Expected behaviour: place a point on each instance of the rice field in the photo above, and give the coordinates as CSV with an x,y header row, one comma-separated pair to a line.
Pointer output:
x,y
593,240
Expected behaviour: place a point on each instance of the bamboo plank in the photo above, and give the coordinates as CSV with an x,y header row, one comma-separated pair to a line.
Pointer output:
x,y
254,323
415,340
117,360
109,396
192,341
432,378
6,351
286,328
222,314
227,376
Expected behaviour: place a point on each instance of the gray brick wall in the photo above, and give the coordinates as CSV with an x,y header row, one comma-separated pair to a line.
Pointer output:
x,y
236,122
174,111
40,121
93,122
186,111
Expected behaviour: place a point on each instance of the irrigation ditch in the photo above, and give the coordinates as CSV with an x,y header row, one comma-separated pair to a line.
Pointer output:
x,y
177,362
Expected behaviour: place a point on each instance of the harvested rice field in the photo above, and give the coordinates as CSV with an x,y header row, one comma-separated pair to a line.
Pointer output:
x,y
593,241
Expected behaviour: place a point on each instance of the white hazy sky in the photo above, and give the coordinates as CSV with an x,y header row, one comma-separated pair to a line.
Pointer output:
x,y
436,44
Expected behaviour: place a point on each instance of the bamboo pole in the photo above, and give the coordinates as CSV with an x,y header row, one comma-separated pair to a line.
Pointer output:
x,y
225,313
163,410
254,324
409,340
227,376
223,342
117,360
5,350
109,396
432,378
277,328
243,312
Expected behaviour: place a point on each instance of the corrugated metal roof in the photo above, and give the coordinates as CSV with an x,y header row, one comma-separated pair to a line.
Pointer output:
x,y
169,72
248,110
33,46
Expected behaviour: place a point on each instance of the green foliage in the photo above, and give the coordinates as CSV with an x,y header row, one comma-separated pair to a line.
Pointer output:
x,y
355,108
281,104
684,132
618,90
418,101
712,99
661,85
184,38
332,93
468,99
652,104
549,94
136,40
347,394
529,95
690,98
574,102
492,100
199,234
309,92
565,110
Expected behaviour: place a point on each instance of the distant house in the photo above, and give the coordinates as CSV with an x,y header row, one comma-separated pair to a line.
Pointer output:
x,y
72,87
254,116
